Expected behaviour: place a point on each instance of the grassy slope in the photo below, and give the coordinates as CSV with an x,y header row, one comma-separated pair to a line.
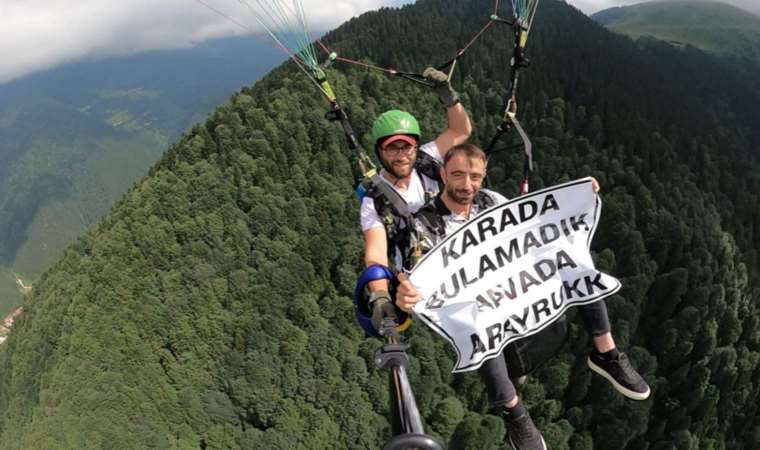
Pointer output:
x,y
714,27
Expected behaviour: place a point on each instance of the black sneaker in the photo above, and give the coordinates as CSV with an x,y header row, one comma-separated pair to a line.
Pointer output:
x,y
621,374
523,434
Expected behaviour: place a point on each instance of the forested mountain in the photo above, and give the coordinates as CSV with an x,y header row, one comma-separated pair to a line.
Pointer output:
x,y
211,307
74,138
711,26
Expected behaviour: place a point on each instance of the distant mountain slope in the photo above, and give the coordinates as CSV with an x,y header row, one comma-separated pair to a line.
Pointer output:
x,y
711,26
76,137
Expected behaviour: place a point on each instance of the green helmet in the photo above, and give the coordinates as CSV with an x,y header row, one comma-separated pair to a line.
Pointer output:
x,y
394,122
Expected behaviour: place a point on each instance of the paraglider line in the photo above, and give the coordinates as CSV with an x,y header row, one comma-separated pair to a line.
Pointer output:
x,y
305,66
477,36
411,75
358,63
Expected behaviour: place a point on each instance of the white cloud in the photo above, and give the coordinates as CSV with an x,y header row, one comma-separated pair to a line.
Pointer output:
x,y
39,34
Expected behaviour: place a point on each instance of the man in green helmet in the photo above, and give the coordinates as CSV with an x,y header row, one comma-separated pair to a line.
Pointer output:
x,y
411,170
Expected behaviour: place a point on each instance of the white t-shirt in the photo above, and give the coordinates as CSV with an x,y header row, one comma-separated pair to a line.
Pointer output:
x,y
414,195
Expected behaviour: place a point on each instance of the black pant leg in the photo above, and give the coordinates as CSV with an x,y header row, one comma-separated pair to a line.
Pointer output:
x,y
596,318
496,378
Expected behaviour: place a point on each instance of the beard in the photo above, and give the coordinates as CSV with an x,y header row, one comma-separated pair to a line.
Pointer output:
x,y
460,196
401,173
399,169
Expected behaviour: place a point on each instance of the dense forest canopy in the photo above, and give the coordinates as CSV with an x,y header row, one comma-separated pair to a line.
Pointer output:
x,y
211,308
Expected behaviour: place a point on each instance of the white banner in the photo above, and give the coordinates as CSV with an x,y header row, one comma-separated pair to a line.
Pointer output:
x,y
512,271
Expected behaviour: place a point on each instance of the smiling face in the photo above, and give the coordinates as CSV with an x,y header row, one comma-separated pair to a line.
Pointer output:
x,y
398,156
463,173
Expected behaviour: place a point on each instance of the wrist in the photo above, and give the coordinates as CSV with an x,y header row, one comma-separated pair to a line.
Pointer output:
x,y
450,98
454,102
379,295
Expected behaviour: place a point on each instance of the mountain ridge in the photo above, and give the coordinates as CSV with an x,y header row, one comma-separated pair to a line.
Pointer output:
x,y
714,27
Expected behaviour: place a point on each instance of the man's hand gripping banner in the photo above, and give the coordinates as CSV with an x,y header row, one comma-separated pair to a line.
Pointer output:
x,y
511,271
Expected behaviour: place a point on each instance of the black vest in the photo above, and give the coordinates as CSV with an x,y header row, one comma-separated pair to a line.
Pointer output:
x,y
431,215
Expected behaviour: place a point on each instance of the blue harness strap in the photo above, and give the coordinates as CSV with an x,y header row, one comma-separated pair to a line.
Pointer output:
x,y
363,314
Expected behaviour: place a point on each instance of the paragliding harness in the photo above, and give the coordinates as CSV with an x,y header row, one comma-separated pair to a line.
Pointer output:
x,y
408,431
399,223
394,212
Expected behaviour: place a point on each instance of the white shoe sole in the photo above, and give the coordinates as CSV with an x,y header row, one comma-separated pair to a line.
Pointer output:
x,y
633,395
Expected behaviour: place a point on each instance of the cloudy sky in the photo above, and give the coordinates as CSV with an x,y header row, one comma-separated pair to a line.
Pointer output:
x,y
40,34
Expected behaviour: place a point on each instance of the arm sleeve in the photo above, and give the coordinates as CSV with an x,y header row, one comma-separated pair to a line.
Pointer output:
x,y
368,215
431,149
498,198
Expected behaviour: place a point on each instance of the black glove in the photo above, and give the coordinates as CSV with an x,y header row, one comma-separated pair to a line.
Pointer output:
x,y
381,306
442,86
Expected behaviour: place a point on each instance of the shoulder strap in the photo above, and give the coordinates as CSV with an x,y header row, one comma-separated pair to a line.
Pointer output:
x,y
428,166
431,215
386,199
393,211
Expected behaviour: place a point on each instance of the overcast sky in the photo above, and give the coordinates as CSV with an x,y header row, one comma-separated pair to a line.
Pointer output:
x,y
40,34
